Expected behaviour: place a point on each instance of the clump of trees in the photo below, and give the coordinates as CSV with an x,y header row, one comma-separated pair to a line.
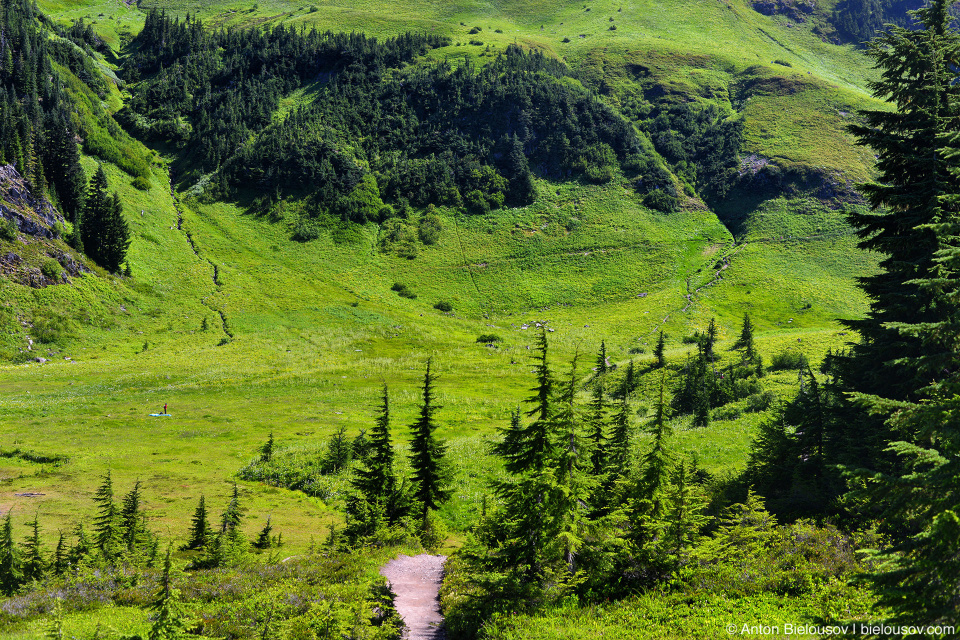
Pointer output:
x,y
38,134
883,419
462,136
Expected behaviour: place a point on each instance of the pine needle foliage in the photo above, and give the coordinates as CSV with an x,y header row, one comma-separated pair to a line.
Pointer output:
x,y
430,474
527,448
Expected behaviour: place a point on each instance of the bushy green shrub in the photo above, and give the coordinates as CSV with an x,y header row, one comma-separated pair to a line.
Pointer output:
x,y
8,230
760,401
429,226
141,183
488,338
788,359
443,306
403,291
305,231
51,269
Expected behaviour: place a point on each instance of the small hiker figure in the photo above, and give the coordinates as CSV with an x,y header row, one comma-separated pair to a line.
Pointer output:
x,y
164,408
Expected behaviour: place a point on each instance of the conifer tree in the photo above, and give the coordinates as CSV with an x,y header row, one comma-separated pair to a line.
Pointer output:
x,y
266,452
527,452
618,446
630,381
168,620
116,236
66,172
601,367
108,532
199,527
264,541
569,508
375,479
527,448
376,474
96,203
916,162
426,453
707,341
104,231
339,452
60,558
82,549
745,342
597,420
131,518
683,518
701,406
658,461
11,570
905,366
34,564
232,515
658,351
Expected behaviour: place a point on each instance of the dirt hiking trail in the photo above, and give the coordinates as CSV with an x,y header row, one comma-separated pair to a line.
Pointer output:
x,y
415,580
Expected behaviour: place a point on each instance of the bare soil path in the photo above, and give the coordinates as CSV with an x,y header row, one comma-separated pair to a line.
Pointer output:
x,y
415,580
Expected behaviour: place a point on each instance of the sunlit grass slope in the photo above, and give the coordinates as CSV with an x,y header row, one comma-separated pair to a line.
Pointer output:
x,y
316,330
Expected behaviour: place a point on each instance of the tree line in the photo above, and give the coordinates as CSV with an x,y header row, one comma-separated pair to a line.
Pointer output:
x,y
39,126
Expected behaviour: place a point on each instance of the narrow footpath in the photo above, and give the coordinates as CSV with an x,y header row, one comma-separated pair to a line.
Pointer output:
x,y
415,581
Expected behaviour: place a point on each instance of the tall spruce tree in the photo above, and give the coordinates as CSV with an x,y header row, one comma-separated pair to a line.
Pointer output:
x,y
630,381
526,448
707,342
375,479
132,518
430,475
528,455
744,343
916,163
66,174
11,570
34,564
658,351
107,527
96,204
60,558
602,365
570,505
597,420
906,366
658,461
199,527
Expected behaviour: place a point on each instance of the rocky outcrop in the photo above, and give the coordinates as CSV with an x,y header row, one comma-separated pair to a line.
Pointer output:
x,y
37,258
34,216
796,10
762,176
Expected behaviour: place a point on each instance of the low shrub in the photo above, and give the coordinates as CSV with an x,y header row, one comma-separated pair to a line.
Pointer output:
x,y
488,338
141,183
443,306
51,269
788,359
8,230
403,291
759,401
